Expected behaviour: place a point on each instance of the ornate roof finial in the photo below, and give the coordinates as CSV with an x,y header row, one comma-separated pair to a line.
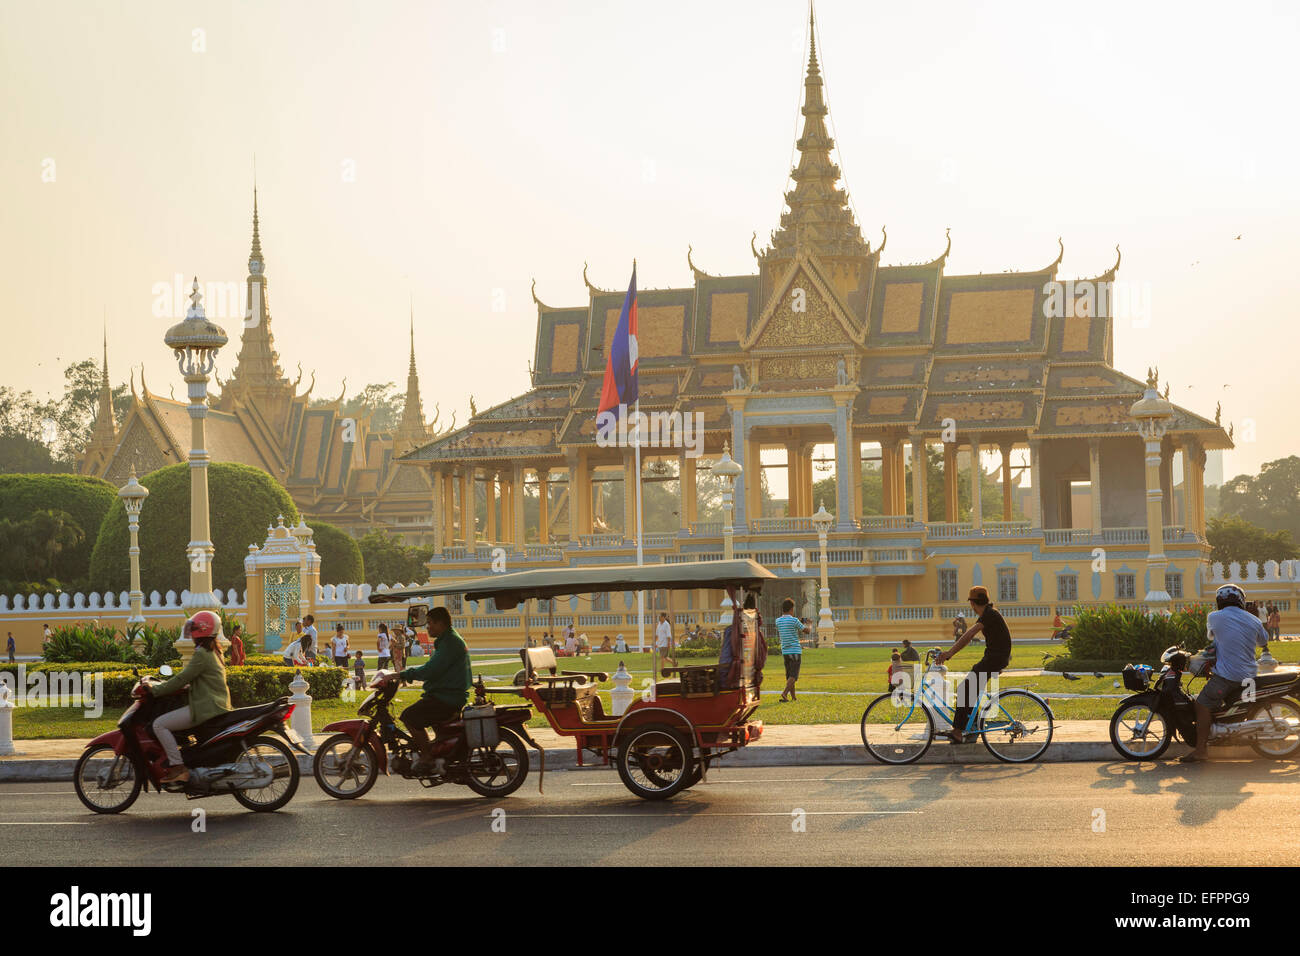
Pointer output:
x,y
751,245
699,273
473,409
884,240
1153,377
1218,413
339,400
196,302
587,282
256,252
1166,391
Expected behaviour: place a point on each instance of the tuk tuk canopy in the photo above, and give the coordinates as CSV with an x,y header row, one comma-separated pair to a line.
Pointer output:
x,y
507,590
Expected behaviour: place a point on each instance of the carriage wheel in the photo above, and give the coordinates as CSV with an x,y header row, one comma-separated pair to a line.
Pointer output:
x,y
655,762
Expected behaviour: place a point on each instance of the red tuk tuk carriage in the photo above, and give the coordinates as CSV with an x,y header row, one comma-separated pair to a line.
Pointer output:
x,y
666,739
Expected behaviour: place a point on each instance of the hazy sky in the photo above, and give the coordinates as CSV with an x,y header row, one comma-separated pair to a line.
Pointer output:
x,y
454,151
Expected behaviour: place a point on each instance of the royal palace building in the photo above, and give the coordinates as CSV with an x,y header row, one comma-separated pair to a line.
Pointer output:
x,y
827,346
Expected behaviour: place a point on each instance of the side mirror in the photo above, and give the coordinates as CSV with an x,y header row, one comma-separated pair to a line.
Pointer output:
x,y
417,615
166,670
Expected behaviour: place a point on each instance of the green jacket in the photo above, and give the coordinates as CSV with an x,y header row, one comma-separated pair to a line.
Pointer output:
x,y
205,675
446,674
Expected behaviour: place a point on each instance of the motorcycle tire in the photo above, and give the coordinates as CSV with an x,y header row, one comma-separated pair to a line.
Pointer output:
x,y
367,780
1287,709
132,791
1167,733
517,752
294,773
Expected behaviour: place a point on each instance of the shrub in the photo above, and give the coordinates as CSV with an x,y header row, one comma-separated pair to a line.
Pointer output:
x,y
85,498
264,660
388,561
1127,634
87,642
243,501
340,556
248,685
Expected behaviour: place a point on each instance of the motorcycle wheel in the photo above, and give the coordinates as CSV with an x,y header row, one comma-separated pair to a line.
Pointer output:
x,y
655,762
329,762
498,771
85,778
1280,709
285,767
1154,742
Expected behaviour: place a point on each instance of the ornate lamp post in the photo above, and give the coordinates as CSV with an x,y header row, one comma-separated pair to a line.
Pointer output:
x,y
1152,414
822,521
195,342
727,469
133,494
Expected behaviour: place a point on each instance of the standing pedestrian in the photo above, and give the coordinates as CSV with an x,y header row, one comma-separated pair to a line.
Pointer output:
x,y
664,640
359,670
11,647
311,640
789,628
1274,622
339,646
236,646
397,647
382,642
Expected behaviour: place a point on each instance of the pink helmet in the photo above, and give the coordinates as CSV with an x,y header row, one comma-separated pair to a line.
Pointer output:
x,y
204,624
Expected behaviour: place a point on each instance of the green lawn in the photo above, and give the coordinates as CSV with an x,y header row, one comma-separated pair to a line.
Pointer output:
x,y
834,687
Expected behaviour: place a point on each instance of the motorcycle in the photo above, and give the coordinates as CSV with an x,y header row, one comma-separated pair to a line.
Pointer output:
x,y
482,749
1265,714
231,753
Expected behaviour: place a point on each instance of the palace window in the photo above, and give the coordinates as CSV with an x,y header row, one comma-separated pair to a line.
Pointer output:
x,y
454,605
1126,587
1007,586
947,585
1067,587
600,602
1174,584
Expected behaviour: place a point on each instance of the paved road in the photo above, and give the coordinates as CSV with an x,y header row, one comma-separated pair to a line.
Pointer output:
x,y
1232,812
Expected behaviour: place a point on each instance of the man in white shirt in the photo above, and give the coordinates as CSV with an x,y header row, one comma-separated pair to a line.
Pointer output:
x,y
293,655
310,639
664,639
381,643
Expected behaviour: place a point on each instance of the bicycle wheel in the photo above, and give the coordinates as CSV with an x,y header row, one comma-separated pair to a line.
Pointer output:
x,y
1020,729
897,731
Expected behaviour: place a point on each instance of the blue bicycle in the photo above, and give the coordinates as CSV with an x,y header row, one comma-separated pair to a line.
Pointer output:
x,y
898,727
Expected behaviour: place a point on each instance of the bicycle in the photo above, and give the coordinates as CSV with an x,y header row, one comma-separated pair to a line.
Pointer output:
x,y
898,726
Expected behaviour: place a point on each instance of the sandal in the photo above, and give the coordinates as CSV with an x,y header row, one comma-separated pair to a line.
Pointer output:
x,y
1192,757
177,774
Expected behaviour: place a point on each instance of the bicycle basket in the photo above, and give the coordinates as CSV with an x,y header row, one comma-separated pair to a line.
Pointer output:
x,y
1135,678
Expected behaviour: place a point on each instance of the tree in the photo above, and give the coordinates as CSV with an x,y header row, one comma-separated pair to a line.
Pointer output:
x,y
243,501
1270,499
382,402
387,560
340,557
1232,539
83,498
61,426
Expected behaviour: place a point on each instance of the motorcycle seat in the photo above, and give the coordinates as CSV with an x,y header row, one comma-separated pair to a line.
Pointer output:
x,y
214,725
1275,678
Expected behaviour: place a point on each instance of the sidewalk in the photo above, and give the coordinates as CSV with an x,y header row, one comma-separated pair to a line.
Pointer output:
x,y
782,745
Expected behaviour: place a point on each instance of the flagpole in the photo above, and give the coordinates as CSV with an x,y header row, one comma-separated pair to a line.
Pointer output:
x,y
640,551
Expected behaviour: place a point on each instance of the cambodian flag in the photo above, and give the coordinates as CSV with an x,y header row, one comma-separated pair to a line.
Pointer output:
x,y
619,386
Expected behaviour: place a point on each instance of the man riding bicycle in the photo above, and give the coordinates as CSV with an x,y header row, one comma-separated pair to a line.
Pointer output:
x,y
997,654
447,680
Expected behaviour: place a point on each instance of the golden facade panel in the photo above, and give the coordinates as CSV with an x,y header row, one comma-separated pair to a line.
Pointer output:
x,y
999,315
902,308
728,315
564,348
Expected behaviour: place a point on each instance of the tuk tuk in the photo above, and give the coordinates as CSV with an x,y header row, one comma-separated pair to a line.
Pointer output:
x,y
667,738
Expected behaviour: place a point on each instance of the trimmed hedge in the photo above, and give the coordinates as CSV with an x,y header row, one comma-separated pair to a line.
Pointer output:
x,y
242,501
85,498
87,667
340,555
248,685
1114,634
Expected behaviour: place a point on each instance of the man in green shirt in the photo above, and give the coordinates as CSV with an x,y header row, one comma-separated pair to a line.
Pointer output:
x,y
447,679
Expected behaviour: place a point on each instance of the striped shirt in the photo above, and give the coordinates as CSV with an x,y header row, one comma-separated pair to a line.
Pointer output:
x,y
789,627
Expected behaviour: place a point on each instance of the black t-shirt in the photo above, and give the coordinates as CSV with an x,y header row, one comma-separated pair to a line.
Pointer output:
x,y
997,638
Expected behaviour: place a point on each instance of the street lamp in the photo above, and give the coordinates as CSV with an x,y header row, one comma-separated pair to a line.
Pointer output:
x,y
727,469
133,494
1152,414
822,521
195,342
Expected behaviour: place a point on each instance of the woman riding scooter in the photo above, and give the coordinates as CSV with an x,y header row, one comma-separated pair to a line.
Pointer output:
x,y
205,676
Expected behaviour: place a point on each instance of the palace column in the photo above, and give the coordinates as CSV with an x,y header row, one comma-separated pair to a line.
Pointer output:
x,y
1167,479
1094,483
448,508
629,497
579,494
976,476
1005,451
1152,414
468,479
806,478
857,478
794,497
1194,482
543,506
900,477
886,477
685,492
490,496
740,516
844,520
1036,478
436,509
753,468
951,501
920,467
518,534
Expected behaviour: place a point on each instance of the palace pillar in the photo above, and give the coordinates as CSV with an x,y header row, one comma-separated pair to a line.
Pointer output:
x,y
468,516
857,478
1094,483
437,512
629,496
806,478
518,535
920,468
845,520
448,507
685,492
740,517
490,496
1152,414
1005,451
543,506
753,465
794,498
951,501
1036,478
899,483
1167,480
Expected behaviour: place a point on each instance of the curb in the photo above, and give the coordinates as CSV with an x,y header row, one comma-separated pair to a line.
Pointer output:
x,y
823,755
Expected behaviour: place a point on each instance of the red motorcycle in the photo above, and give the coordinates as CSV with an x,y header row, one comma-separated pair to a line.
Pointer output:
x,y
231,753
482,749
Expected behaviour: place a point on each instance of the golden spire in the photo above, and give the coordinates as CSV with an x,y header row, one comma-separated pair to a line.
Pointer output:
x,y
818,209
105,430
412,429
256,252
